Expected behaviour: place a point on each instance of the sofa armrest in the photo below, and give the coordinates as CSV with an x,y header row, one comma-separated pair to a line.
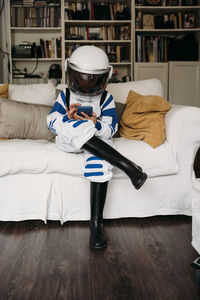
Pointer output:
x,y
183,131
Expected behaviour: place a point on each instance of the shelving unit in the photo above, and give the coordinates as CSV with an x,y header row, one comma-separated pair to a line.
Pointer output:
x,y
34,34
119,50
159,49
125,40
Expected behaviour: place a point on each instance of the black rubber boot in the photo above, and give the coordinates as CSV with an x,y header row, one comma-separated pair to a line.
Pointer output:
x,y
98,192
101,149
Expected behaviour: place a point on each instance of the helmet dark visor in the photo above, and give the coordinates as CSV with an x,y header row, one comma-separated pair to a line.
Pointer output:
x,y
86,84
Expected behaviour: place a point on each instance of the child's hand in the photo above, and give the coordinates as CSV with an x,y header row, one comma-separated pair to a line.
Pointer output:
x,y
86,117
72,111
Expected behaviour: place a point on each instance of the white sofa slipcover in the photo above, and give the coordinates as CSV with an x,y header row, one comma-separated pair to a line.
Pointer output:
x,y
39,181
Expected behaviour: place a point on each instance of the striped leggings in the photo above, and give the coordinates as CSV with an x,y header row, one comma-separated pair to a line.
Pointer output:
x,y
73,136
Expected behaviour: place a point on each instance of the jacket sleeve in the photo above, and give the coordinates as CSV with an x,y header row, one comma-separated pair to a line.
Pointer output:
x,y
58,115
107,123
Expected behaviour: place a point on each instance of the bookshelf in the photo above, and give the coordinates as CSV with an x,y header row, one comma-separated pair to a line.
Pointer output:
x,y
142,40
166,34
36,26
106,24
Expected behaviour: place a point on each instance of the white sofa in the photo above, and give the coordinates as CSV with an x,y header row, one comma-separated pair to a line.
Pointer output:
x,y
39,181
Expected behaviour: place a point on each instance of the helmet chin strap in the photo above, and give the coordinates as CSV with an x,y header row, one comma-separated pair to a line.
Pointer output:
x,y
111,72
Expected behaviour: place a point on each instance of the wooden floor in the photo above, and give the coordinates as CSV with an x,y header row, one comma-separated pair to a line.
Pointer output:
x,y
145,259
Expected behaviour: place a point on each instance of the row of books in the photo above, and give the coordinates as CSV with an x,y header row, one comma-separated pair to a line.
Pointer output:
x,y
50,48
98,33
44,16
96,11
118,53
166,3
151,48
35,2
176,20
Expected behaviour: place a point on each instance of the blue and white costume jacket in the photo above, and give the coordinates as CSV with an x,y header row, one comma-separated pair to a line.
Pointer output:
x,y
71,135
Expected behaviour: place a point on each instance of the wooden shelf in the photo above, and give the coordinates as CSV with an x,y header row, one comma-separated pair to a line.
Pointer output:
x,y
36,28
98,41
169,30
39,59
166,8
97,22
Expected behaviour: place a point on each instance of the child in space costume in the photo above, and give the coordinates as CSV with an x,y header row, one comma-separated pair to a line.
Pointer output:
x,y
88,72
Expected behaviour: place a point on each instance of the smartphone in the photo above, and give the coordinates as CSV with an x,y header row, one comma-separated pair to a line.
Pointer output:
x,y
86,109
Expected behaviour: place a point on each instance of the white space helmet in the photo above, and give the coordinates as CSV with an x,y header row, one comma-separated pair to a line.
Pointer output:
x,y
88,71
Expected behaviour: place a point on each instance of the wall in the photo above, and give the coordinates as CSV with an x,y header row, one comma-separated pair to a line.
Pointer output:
x,y
4,40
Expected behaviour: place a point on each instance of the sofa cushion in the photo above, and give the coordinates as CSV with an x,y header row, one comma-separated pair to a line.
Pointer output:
x,y
24,120
41,156
154,161
3,91
143,118
144,87
41,93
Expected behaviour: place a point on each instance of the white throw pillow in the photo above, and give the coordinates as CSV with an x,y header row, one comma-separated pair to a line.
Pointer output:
x,y
144,87
41,93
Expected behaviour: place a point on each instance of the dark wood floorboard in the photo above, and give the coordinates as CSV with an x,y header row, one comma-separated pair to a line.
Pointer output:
x,y
146,259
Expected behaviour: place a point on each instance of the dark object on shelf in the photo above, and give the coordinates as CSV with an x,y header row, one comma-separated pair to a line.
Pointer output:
x,y
126,78
185,49
112,57
152,2
32,76
159,22
24,50
53,2
55,71
70,14
101,12
173,3
73,37
189,2
85,14
169,25
114,78
125,15
78,15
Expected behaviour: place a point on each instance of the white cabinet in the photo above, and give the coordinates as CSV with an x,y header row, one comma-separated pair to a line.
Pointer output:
x,y
153,70
180,80
184,83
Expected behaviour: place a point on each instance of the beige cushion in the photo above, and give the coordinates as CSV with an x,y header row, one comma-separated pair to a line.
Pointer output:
x,y
143,118
24,120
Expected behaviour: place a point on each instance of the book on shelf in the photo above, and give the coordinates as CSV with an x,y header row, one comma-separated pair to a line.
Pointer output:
x,y
188,20
151,48
125,33
174,20
37,16
96,11
148,21
50,48
112,32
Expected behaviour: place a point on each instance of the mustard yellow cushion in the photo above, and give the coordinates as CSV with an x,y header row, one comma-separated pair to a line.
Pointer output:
x,y
143,118
4,91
